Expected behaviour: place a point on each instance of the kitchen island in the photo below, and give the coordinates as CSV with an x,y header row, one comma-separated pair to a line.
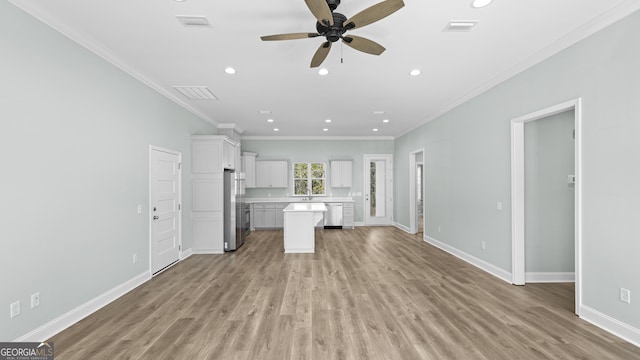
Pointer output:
x,y
300,220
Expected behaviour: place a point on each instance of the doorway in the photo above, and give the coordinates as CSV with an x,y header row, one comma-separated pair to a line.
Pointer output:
x,y
518,193
416,192
378,189
165,198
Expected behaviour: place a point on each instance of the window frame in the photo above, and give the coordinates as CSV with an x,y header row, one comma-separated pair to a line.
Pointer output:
x,y
309,179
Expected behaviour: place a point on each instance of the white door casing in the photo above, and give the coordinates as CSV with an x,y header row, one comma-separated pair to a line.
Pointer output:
x,y
378,192
518,193
165,197
415,158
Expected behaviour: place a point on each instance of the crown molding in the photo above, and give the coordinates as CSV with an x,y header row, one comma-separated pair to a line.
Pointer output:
x,y
106,55
599,23
337,138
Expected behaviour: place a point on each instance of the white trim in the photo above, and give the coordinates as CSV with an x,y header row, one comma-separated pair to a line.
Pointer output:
x,y
550,277
616,327
389,189
64,321
479,263
610,17
342,138
180,243
207,252
413,226
107,55
403,228
186,253
359,224
517,193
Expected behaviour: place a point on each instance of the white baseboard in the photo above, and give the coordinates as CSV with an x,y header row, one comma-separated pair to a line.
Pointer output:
x,y
479,263
186,254
207,252
549,277
359,224
402,227
616,327
62,322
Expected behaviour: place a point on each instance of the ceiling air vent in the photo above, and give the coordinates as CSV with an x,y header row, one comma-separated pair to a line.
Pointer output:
x,y
460,25
196,92
193,21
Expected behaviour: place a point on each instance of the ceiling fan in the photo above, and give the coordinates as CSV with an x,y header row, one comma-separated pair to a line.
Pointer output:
x,y
333,25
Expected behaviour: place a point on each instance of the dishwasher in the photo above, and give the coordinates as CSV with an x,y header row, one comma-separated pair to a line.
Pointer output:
x,y
333,216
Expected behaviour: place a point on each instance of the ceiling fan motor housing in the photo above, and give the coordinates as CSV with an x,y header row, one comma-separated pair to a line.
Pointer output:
x,y
334,32
333,4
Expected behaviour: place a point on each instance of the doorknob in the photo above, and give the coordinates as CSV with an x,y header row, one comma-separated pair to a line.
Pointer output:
x,y
156,217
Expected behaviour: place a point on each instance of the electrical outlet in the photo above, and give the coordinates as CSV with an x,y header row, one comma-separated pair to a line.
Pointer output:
x,y
135,258
35,300
439,229
483,245
625,295
14,309
139,209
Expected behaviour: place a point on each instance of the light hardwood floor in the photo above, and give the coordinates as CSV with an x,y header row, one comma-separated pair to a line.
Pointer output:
x,y
368,293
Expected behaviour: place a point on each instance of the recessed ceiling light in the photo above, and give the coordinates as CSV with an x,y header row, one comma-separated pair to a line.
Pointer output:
x,y
385,121
325,129
179,0
323,72
327,121
415,72
480,3
276,129
230,70
269,120
375,130
378,112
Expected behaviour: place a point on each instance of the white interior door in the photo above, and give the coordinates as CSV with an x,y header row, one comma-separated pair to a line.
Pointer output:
x,y
378,200
165,199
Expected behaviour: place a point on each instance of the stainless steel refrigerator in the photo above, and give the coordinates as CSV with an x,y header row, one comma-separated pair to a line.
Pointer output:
x,y
234,215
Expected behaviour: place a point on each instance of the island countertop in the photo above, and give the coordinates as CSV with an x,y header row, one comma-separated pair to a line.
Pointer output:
x,y
305,207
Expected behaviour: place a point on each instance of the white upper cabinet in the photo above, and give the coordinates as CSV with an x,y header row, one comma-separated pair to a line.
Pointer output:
x,y
272,173
341,173
249,169
229,155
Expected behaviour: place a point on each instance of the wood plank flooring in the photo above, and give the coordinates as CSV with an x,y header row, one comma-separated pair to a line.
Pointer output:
x,y
368,293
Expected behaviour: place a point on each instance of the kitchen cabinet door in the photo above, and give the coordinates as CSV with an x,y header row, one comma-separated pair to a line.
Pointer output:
x,y
341,173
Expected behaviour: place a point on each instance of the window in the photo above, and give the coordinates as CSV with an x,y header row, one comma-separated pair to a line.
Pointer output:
x,y
309,178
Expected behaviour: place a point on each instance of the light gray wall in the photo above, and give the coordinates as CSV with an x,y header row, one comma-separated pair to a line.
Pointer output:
x,y
549,198
74,137
468,163
319,150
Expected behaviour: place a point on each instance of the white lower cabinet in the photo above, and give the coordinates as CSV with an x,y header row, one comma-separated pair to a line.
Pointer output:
x,y
348,215
207,232
267,215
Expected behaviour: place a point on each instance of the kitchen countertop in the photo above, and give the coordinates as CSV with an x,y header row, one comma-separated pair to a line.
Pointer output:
x,y
305,207
323,199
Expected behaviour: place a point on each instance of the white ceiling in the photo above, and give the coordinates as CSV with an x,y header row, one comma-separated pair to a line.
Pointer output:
x,y
144,38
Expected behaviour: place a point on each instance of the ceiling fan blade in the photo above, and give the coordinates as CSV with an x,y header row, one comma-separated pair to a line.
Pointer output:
x,y
292,36
364,45
373,14
320,9
321,54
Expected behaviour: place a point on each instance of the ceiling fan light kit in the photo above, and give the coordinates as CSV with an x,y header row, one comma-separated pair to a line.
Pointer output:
x,y
332,26
480,3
